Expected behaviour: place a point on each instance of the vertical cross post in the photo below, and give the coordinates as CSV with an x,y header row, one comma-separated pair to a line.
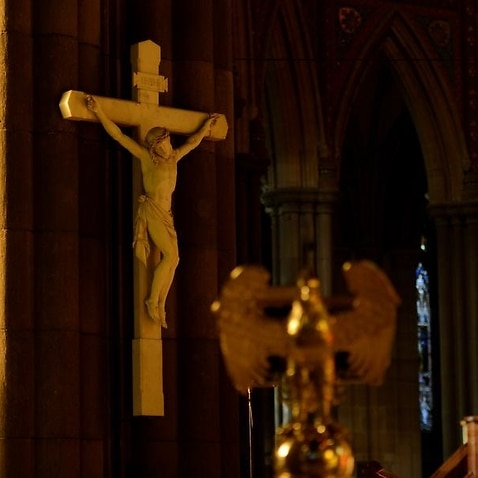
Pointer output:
x,y
148,396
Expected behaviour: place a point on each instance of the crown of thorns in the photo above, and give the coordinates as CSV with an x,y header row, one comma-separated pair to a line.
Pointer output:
x,y
156,135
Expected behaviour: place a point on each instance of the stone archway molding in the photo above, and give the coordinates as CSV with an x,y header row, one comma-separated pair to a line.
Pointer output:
x,y
428,94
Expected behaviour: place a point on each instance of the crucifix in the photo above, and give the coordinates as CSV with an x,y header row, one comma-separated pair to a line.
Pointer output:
x,y
154,272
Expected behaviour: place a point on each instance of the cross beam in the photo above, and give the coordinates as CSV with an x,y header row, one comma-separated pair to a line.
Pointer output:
x,y
144,115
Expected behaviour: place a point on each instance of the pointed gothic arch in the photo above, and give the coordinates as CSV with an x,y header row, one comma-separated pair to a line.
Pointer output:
x,y
427,93
292,103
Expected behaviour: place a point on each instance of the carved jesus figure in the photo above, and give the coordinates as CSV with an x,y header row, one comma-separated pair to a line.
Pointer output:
x,y
154,220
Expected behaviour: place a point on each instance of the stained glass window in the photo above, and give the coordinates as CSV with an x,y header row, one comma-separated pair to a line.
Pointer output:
x,y
424,347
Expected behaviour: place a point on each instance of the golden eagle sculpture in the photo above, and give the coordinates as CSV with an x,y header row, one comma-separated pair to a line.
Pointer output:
x,y
253,333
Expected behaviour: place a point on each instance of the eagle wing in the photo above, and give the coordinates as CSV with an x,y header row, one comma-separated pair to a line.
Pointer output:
x,y
367,330
247,336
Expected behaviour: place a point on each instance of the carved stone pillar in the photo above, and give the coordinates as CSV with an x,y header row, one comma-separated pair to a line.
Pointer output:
x,y
57,249
203,200
457,253
17,340
301,233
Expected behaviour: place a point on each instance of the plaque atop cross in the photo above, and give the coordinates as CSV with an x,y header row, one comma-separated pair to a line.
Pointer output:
x,y
144,114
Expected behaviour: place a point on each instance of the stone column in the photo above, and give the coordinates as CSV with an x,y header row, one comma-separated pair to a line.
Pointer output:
x,y
96,316
229,412
301,238
324,260
301,233
56,245
204,205
457,249
471,281
17,320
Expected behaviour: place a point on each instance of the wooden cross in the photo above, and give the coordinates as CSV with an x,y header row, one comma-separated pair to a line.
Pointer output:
x,y
143,113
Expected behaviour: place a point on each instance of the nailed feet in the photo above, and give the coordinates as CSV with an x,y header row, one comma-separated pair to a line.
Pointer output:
x,y
158,314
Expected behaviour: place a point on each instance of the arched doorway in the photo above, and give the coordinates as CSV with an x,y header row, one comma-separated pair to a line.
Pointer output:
x,y
382,215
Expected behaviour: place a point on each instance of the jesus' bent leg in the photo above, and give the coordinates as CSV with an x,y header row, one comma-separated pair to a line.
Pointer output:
x,y
162,279
163,274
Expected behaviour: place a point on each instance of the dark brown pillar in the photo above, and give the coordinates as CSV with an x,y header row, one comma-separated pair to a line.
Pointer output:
x,y
229,433
96,319
204,214
56,246
17,351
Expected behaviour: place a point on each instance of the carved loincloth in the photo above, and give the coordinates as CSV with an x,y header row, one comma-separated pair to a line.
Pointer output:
x,y
149,210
